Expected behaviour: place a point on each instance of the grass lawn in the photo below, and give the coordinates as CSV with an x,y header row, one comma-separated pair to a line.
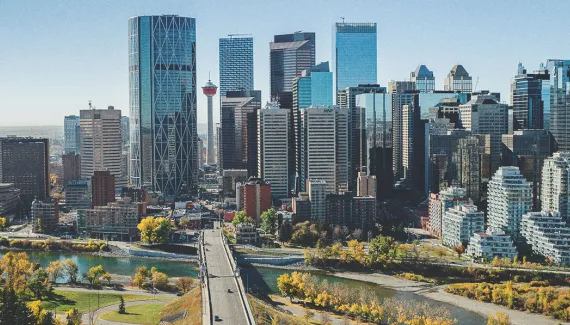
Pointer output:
x,y
191,301
141,314
64,300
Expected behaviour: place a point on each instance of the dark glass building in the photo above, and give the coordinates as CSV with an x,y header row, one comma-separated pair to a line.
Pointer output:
x,y
162,99
237,148
527,99
24,162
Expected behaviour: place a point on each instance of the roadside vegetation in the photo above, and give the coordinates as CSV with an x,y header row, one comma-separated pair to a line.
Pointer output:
x,y
358,303
190,302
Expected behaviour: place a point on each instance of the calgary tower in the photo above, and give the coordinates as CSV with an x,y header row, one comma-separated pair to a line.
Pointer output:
x,y
210,90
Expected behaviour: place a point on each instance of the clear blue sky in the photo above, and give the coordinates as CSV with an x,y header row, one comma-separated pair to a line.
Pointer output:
x,y
57,55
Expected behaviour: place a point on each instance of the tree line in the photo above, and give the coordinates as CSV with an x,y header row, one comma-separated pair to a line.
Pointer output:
x,y
358,303
535,297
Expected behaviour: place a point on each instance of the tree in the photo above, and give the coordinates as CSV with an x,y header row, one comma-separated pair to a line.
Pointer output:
x,y
55,270
14,311
269,221
499,318
3,223
285,285
285,231
71,270
308,315
94,274
107,277
159,280
240,218
141,275
184,223
161,231
357,234
122,309
381,249
184,284
74,316
154,230
39,283
16,268
459,250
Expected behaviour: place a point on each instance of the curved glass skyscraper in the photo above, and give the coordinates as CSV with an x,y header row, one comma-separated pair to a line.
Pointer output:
x,y
162,99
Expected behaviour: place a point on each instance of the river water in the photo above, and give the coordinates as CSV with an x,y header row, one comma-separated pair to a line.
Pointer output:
x,y
116,265
261,279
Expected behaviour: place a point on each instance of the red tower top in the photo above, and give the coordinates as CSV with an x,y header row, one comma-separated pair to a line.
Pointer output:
x,y
209,89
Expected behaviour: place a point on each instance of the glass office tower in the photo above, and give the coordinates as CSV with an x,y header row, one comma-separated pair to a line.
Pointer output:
x,y
236,63
559,71
71,134
355,54
162,99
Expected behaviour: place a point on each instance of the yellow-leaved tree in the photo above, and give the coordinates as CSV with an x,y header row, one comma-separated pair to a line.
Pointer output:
x,y
154,230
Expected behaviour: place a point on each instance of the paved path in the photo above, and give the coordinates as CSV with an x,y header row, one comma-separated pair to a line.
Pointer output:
x,y
298,310
104,310
227,306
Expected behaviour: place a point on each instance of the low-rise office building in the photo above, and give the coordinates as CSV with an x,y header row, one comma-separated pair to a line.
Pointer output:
x,y
78,194
117,220
246,234
45,216
9,201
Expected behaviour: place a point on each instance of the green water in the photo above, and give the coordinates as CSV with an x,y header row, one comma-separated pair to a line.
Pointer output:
x,y
263,279
115,265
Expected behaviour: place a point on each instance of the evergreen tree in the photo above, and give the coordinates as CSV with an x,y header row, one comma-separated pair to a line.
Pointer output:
x,y
122,306
14,311
47,319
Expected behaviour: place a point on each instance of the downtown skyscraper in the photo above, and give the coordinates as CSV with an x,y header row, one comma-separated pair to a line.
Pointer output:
x,y
355,54
236,63
289,55
162,99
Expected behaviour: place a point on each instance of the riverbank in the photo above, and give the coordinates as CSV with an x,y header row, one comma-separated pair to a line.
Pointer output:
x,y
437,293
484,308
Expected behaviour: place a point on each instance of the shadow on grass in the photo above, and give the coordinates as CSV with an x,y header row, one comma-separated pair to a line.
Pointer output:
x,y
57,299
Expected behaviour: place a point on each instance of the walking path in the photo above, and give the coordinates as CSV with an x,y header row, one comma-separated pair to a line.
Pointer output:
x,y
298,310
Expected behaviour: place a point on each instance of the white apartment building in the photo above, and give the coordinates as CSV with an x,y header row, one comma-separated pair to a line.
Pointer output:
x,y
101,143
317,190
273,152
509,197
485,115
554,194
439,203
460,223
324,147
115,220
548,235
486,245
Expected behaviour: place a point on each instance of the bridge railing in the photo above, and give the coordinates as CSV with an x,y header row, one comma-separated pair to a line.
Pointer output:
x,y
204,283
242,293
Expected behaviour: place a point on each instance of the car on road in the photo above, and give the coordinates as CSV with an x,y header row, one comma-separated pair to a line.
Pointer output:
x,y
216,318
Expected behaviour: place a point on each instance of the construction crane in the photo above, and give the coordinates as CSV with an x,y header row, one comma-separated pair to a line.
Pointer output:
x,y
476,84
232,35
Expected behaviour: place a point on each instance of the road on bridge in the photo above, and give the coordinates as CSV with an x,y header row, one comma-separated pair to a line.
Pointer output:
x,y
226,305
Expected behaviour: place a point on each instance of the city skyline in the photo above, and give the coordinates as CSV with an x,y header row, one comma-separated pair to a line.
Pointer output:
x,y
96,68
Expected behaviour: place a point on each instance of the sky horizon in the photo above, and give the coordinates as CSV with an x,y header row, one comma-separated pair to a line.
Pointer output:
x,y
58,55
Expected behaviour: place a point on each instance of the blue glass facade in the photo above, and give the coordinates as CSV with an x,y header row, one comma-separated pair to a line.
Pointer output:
x,y
355,54
162,100
559,71
71,134
236,64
